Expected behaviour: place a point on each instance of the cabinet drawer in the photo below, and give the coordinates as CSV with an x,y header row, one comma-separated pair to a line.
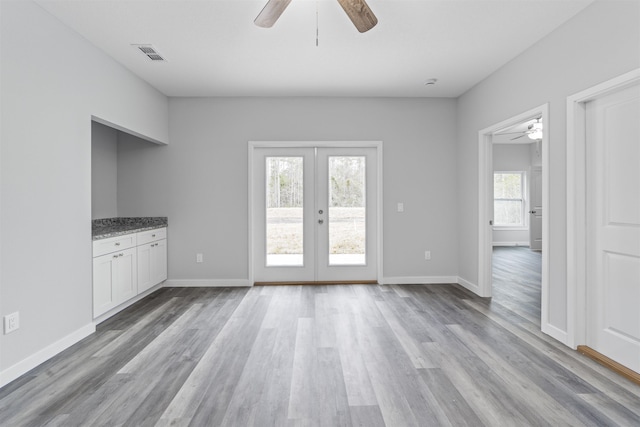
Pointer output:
x,y
112,244
151,235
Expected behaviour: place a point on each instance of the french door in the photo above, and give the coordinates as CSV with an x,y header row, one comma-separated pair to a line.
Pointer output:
x,y
315,214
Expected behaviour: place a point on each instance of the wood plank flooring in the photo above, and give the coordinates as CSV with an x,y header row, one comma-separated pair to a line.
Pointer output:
x,y
517,275
357,355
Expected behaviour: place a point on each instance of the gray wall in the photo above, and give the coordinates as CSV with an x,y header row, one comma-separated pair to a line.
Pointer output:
x,y
509,158
53,81
598,44
535,154
142,181
200,180
104,171
105,158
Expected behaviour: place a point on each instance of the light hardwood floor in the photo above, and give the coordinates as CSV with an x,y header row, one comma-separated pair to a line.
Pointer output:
x,y
358,355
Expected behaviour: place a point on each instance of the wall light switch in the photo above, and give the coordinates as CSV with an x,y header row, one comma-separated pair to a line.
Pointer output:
x,y
400,207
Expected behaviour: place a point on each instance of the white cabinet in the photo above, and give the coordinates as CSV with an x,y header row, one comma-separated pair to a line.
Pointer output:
x,y
125,266
114,279
152,258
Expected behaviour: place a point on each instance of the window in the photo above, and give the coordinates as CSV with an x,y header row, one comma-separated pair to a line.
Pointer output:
x,y
508,199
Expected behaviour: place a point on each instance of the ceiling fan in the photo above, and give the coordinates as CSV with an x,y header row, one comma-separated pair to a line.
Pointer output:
x,y
534,131
357,10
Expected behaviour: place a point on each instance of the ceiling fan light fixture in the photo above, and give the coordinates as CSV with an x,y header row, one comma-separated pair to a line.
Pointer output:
x,y
536,131
358,12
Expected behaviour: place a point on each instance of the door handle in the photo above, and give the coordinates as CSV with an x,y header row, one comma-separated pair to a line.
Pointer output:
x,y
532,212
320,221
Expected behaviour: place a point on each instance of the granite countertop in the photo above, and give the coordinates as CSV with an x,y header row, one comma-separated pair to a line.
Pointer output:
x,y
110,227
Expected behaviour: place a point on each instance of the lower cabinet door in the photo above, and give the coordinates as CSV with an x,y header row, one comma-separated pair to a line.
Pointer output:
x,y
159,261
102,278
125,283
144,267
114,280
152,264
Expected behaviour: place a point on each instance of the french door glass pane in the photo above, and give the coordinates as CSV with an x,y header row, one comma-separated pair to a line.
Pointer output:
x,y
347,210
285,219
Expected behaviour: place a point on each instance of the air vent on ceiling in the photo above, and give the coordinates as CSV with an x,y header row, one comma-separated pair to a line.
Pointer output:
x,y
150,52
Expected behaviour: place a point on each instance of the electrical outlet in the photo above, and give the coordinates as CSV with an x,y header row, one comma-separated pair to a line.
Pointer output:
x,y
199,258
427,255
400,207
11,322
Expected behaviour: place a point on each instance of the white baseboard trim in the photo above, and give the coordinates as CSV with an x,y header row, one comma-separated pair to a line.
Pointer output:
x,y
207,283
468,285
419,280
45,354
526,244
555,333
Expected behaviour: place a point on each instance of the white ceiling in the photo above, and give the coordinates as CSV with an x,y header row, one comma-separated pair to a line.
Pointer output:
x,y
213,48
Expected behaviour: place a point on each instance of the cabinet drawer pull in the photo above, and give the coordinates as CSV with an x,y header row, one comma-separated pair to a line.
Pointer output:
x,y
115,256
153,235
121,255
117,243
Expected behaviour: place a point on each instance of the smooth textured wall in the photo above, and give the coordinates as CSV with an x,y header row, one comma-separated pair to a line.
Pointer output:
x,y
53,81
510,158
598,44
200,180
104,171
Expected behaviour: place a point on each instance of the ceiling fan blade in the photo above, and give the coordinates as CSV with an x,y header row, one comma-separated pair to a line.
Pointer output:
x,y
518,137
271,12
360,14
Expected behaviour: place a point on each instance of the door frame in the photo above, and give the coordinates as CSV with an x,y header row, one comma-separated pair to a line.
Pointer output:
x,y
252,145
485,208
576,202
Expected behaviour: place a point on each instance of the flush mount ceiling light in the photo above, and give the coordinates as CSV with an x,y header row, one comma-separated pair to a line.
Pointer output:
x,y
430,82
357,10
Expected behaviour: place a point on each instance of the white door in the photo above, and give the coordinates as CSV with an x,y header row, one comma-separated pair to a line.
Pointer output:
x,y
314,215
613,226
535,209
